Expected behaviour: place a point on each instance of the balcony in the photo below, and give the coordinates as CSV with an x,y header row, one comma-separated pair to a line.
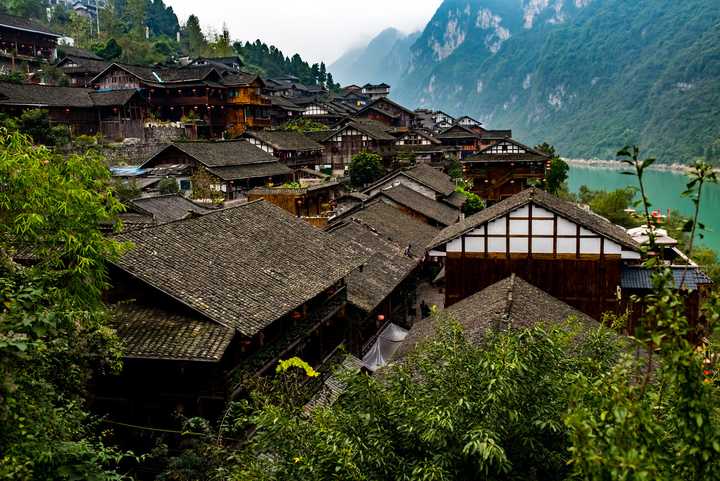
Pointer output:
x,y
245,98
258,122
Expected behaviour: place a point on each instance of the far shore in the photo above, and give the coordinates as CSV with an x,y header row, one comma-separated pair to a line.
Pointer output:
x,y
616,165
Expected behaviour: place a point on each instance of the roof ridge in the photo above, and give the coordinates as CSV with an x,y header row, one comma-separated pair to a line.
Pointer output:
x,y
506,317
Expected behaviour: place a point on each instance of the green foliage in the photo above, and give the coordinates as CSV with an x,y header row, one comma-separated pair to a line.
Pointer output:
x,y
168,186
455,409
36,124
473,203
53,329
365,168
110,51
557,174
657,418
455,171
15,77
302,124
611,205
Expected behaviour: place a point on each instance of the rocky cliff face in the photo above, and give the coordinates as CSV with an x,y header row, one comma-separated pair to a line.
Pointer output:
x,y
585,75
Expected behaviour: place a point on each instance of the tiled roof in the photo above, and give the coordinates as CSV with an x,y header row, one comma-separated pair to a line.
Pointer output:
x,y
394,225
168,208
529,155
565,209
508,304
386,268
376,130
638,277
435,179
456,199
26,24
240,79
457,132
251,171
221,153
84,64
32,95
243,267
417,202
285,140
153,333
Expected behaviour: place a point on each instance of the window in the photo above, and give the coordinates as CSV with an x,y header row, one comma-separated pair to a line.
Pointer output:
x,y
185,184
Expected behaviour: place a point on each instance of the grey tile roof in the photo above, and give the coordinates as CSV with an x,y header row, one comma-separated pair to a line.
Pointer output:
x,y
372,128
84,64
168,208
456,199
565,209
485,154
153,333
396,226
457,132
243,267
439,181
32,95
25,24
386,267
221,153
508,304
432,209
251,171
638,277
285,140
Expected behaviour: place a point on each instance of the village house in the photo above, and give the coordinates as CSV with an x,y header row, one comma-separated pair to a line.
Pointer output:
x,y
430,211
383,292
215,99
471,139
80,66
233,166
351,138
503,169
24,41
291,148
114,115
423,147
423,179
203,301
376,91
323,110
314,202
508,304
388,112
159,209
570,253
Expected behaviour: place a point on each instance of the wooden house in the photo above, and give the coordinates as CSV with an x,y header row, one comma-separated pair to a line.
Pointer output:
x,y
203,302
422,147
234,166
283,110
422,178
323,111
569,252
25,41
508,304
115,115
461,137
353,137
503,169
314,202
214,99
388,112
376,91
432,212
80,66
291,148
383,291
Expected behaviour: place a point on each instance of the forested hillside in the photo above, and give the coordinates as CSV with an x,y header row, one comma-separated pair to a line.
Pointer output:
x,y
582,75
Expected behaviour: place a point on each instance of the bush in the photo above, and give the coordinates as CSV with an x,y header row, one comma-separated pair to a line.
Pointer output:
x,y
365,168
168,186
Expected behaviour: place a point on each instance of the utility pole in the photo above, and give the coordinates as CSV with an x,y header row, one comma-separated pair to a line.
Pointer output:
x,y
97,17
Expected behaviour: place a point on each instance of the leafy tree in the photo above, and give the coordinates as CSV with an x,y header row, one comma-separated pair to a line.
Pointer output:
x,y
192,37
205,187
611,205
455,171
473,203
136,16
365,168
53,330
557,174
36,124
27,8
302,124
168,186
162,19
110,51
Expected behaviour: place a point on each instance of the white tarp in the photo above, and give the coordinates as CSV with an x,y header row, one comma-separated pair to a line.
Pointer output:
x,y
384,348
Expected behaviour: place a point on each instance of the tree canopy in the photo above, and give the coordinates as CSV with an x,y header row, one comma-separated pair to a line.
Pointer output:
x,y
365,168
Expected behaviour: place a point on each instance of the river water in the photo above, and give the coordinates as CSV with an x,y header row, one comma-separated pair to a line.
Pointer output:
x,y
663,188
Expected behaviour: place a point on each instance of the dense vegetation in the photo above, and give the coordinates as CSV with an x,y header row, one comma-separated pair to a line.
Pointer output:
x,y
580,75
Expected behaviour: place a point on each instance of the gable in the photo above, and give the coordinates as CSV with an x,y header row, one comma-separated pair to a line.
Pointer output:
x,y
505,147
533,229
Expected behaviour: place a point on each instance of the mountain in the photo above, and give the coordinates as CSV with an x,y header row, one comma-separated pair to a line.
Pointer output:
x,y
384,59
584,75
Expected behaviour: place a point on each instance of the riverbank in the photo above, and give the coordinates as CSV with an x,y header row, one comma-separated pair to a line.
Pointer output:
x,y
616,165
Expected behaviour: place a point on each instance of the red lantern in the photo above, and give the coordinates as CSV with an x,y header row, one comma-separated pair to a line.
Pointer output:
x,y
296,315
381,317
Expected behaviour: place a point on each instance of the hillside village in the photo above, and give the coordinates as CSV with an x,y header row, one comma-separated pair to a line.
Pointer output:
x,y
251,245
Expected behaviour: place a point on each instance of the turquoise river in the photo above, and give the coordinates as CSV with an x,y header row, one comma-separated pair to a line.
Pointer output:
x,y
664,190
